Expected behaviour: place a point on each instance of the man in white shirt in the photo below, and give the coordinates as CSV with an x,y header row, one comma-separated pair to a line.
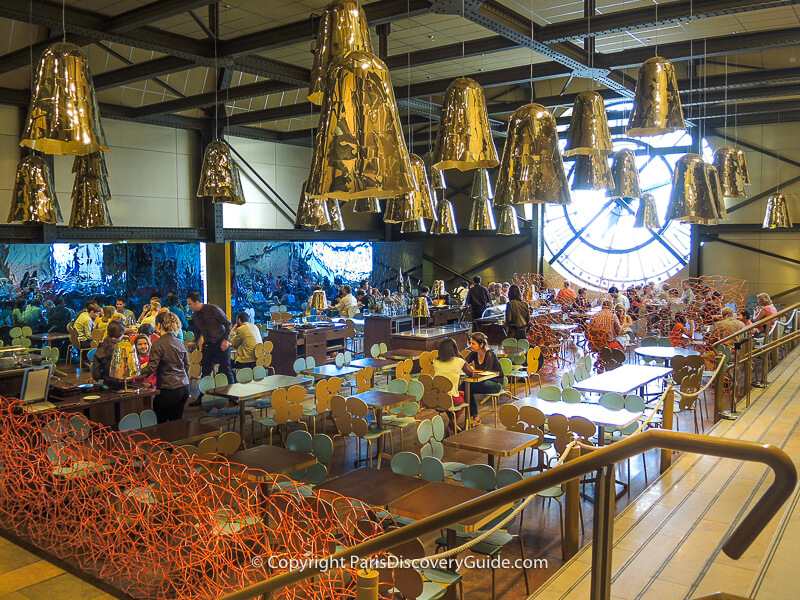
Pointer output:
x,y
687,297
245,336
348,305
617,298
84,324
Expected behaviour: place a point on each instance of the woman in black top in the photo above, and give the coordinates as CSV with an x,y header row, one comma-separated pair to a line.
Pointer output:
x,y
101,363
482,359
169,360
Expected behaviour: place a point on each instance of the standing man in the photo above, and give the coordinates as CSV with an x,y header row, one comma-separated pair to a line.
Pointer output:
x,y
478,298
244,338
214,329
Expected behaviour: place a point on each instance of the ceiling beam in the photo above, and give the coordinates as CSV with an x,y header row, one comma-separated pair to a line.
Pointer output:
x,y
141,71
150,13
650,16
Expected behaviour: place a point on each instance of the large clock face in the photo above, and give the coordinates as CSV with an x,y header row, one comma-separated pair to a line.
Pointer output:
x,y
593,241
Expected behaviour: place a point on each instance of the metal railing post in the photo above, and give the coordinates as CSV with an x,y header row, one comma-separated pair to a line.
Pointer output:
x,y
748,368
668,414
732,413
602,542
719,391
367,585
572,510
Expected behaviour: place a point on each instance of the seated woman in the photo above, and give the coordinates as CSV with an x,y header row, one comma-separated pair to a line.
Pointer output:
x,y
101,363
142,344
626,321
101,323
680,336
482,359
449,364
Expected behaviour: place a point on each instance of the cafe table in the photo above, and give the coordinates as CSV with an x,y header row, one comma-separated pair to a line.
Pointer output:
x,y
178,432
477,377
402,354
46,338
380,365
328,371
622,380
376,487
666,353
495,443
379,401
273,459
252,390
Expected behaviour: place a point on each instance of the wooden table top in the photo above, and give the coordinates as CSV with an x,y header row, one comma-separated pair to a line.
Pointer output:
x,y
599,415
258,388
378,364
487,440
106,396
622,380
179,432
481,376
49,336
383,399
664,352
331,371
437,497
402,354
273,459
375,487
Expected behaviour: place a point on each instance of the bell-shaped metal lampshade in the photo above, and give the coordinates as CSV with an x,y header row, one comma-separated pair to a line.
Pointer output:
x,y
311,212
33,199
318,301
336,222
219,175
588,128
439,288
395,209
532,169
731,177
124,362
63,117
423,191
342,28
592,173
625,175
419,309
414,226
656,103
716,191
647,215
445,223
90,192
482,185
367,205
437,179
464,141
743,166
359,151
508,221
691,199
777,215
482,217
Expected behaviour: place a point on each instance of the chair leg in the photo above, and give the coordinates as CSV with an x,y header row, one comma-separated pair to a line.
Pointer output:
x,y
524,568
493,591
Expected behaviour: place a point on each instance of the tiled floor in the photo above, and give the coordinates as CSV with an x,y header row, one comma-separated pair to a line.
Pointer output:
x,y
668,542
25,576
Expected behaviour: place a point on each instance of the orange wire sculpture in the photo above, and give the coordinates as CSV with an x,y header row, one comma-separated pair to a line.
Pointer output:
x,y
159,523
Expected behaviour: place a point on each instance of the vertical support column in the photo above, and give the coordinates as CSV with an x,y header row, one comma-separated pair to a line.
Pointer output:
x,y
695,255
572,509
218,271
536,237
604,512
669,419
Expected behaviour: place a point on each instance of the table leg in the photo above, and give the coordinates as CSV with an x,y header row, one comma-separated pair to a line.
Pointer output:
x,y
466,403
492,461
241,422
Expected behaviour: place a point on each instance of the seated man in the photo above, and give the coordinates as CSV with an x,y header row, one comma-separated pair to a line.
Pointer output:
x,y
84,324
604,328
244,337
726,326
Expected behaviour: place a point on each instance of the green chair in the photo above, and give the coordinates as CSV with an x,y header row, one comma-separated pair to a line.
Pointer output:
x,y
244,375
506,366
571,395
550,393
406,463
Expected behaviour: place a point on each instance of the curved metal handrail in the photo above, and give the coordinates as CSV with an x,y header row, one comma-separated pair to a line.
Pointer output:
x,y
757,324
743,536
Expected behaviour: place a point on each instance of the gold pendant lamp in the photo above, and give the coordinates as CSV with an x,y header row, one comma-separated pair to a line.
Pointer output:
x,y
63,117
656,103
625,175
33,199
90,192
777,215
532,169
482,217
423,191
588,128
647,215
592,173
691,199
445,223
359,150
716,191
335,211
413,226
508,221
395,210
219,175
743,166
319,301
366,205
731,177
464,140
311,212
342,28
